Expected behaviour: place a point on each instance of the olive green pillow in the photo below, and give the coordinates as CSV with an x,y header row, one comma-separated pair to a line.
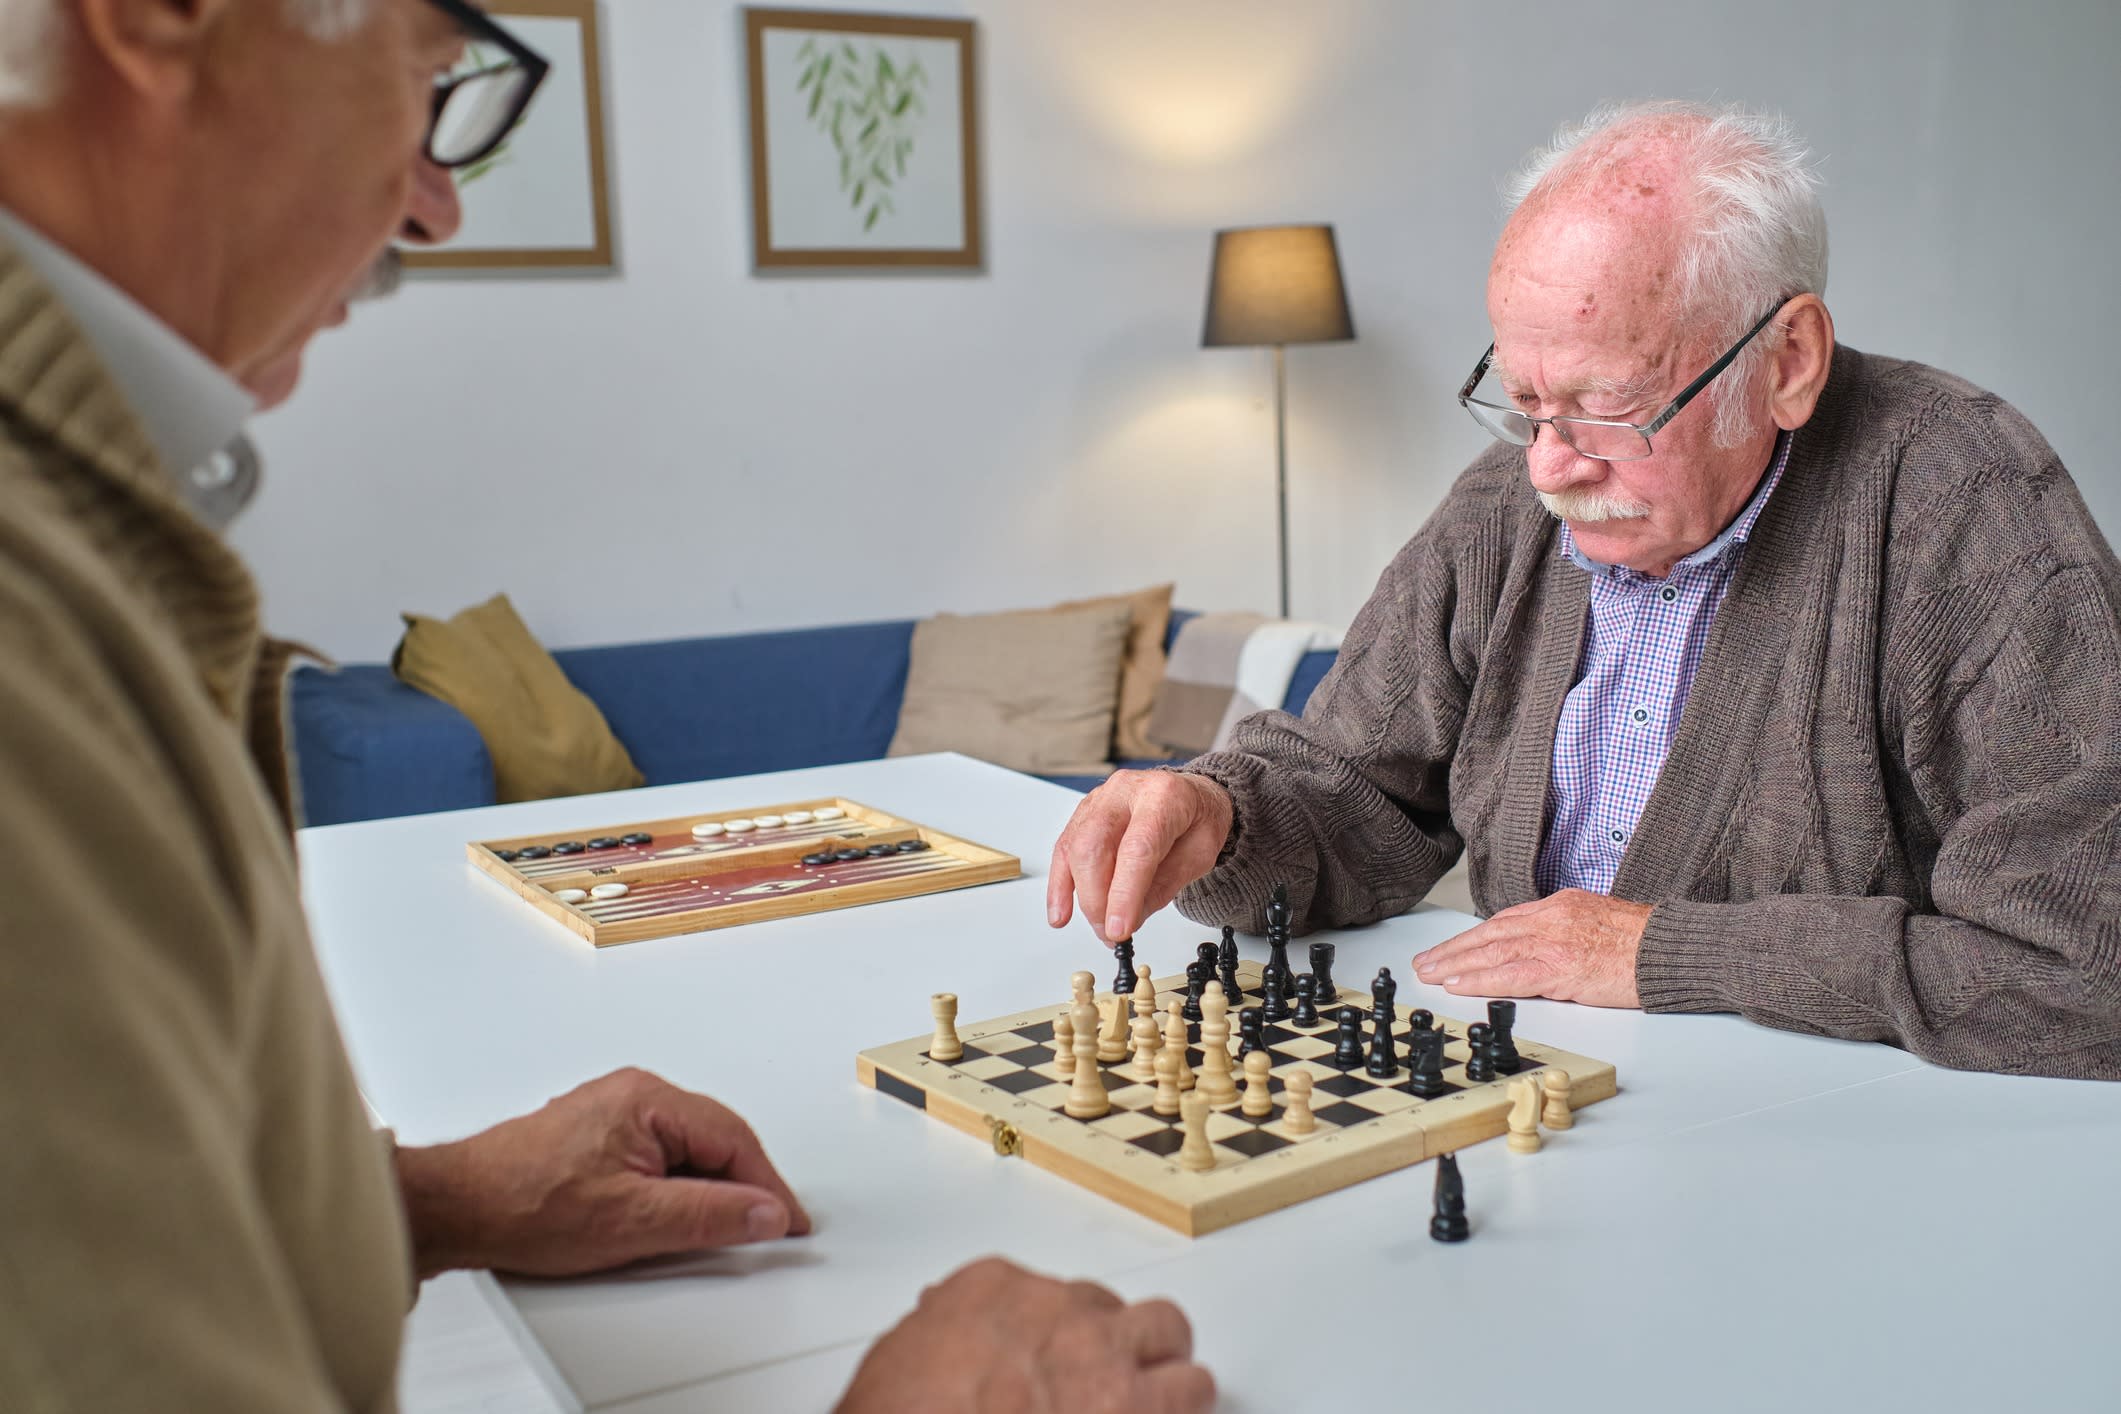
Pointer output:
x,y
546,738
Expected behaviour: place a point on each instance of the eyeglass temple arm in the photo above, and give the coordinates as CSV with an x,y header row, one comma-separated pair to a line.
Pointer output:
x,y
1687,394
1480,370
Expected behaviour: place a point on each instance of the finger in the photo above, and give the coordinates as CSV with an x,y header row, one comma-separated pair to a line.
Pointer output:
x,y
715,1141
1456,946
688,1214
1090,1296
1092,843
1060,886
1141,853
1157,1331
1517,978
1177,1388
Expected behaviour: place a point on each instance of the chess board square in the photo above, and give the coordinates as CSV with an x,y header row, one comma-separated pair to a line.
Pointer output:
x,y
1346,1082
1133,1097
1385,1102
989,1067
1003,1043
972,1053
1052,1095
1254,1143
1407,1084
1037,1031
1166,1141
1227,1124
1126,1124
1343,1114
1023,1082
1278,1035
1315,1069
1033,1055
1305,1047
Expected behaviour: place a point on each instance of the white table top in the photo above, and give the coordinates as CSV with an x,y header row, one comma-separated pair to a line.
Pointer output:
x,y
1757,1217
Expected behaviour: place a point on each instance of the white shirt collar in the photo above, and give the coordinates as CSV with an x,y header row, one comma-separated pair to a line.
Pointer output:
x,y
187,405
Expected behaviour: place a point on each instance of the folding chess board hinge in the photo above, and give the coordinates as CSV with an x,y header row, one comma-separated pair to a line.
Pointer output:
x,y
1006,1140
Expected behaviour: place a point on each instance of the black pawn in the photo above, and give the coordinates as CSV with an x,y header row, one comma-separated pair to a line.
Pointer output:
x,y
1384,1060
1123,980
1502,1016
1382,990
1449,1224
1426,1059
1421,1018
1348,1054
1275,987
1205,955
1322,969
1306,1013
1248,1025
1196,983
1480,1065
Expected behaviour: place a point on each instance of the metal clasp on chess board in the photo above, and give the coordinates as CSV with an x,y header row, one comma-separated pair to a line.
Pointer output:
x,y
1005,1137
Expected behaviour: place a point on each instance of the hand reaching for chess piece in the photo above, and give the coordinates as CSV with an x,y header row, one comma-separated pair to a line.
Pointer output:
x,y
1132,844
994,1336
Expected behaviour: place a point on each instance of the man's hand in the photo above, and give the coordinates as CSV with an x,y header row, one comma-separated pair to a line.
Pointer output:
x,y
1574,946
622,1168
1132,844
994,1336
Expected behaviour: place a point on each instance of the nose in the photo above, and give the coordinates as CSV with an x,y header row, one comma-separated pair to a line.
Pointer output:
x,y
1555,466
432,212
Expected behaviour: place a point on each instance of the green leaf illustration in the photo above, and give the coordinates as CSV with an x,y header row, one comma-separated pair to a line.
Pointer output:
x,y
870,113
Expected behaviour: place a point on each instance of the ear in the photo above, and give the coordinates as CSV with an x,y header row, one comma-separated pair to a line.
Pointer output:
x,y
1801,363
155,48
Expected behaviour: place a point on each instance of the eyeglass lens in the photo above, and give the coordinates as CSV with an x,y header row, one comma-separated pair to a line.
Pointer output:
x,y
1593,439
476,113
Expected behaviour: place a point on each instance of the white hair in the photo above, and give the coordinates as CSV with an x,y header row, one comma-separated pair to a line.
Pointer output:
x,y
32,39
1759,234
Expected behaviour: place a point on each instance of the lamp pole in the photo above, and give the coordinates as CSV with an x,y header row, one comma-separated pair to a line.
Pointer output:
x,y
1281,467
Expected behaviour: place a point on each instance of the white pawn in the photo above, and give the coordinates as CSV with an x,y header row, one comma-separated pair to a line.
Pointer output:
x,y
1215,1080
1064,1045
1297,1118
1081,988
1259,1096
1087,1098
1147,1041
1524,1116
1167,1091
945,1046
1144,991
1175,1043
1196,1153
1558,1114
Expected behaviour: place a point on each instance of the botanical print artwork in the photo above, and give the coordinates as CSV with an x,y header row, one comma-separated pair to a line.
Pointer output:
x,y
870,108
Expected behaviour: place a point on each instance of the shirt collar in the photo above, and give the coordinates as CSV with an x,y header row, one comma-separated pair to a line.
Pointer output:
x,y
187,405
1737,532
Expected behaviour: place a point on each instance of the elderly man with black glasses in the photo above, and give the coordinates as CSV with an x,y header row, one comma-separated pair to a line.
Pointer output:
x,y
1749,673
197,1215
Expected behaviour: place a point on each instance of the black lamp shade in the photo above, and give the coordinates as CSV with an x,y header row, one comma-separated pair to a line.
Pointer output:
x,y
1276,285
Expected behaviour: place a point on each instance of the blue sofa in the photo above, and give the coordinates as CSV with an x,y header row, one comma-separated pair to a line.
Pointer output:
x,y
688,709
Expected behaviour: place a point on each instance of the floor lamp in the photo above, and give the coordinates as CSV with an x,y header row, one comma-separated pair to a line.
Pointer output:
x,y
1276,286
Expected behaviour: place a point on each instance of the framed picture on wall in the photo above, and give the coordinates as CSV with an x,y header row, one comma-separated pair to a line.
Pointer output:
x,y
540,201
864,140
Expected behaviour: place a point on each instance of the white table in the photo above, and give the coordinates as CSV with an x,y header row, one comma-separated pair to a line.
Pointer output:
x,y
1758,1220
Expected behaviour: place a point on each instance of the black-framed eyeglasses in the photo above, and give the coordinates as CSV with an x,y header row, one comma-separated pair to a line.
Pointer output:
x,y
1597,437
476,110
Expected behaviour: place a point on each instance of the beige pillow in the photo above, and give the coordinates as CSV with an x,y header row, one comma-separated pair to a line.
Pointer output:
x,y
546,738
1142,675
1034,691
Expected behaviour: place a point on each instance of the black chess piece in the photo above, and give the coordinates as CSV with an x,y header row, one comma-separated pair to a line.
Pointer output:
x,y
1382,990
1278,936
1226,954
1480,1065
1449,1223
1421,1018
1322,969
1196,983
1306,1012
1226,967
1249,1022
1206,955
1425,1059
1274,987
1348,1053
1502,1016
1384,1058
1124,979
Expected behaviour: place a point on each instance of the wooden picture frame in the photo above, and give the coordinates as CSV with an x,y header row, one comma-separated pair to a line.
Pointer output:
x,y
873,163
543,201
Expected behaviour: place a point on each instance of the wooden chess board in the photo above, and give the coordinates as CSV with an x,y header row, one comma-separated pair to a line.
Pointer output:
x,y
1007,1088
695,872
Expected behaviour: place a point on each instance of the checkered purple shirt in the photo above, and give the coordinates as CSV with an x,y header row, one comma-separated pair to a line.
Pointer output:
x,y
1640,651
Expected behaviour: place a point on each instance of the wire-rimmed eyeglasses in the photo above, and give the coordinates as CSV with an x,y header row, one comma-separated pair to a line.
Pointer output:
x,y
1601,438
475,111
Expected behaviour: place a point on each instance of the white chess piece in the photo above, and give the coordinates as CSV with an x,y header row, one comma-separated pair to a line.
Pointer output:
x,y
1215,1080
1558,1115
945,1046
1259,1094
1087,1097
1175,1043
1524,1115
1112,1030
1167,1091
1297,1118
1196,1153
1081,988
1148,1040
1064,1045
1144,991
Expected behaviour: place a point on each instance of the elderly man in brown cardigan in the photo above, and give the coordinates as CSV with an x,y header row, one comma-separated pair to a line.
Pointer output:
x,y
197,1215
1748,672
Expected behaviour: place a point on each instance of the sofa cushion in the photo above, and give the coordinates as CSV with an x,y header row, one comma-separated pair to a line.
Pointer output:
x,y
1033,691
545,736
1142,673
366,746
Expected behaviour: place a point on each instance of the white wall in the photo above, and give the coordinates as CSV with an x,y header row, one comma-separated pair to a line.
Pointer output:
x,y
687,448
